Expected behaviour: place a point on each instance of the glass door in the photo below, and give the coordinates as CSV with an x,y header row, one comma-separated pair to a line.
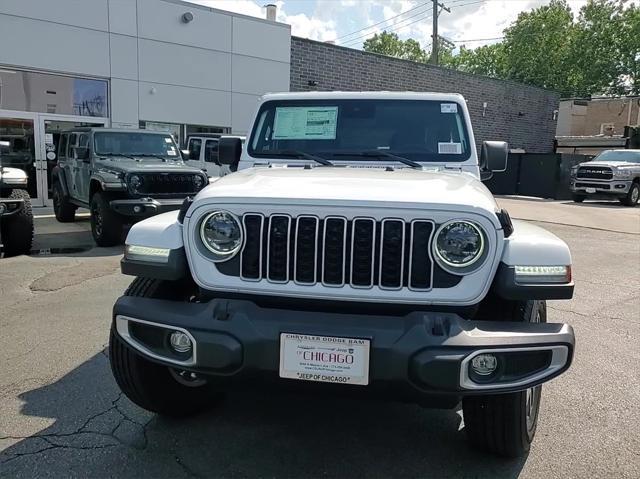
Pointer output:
x,y
18,147
50,127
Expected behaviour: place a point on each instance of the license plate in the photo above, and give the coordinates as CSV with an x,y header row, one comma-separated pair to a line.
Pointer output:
x,y
590,190
324,358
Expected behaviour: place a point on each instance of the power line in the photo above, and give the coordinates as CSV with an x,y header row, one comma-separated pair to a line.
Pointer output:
x,y
477,39
383,21
396,26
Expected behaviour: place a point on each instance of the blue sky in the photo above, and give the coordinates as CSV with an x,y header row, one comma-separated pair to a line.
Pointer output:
x,y
350,22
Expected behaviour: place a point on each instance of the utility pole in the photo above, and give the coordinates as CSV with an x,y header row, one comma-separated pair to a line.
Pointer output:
x,y
435,39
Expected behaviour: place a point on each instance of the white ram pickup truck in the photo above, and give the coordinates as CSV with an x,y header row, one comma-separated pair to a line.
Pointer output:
x,y
354,250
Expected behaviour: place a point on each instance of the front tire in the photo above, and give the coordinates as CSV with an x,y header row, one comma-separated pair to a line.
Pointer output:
x,y
17,229
578,198
65,212
106,225
152,386
632,196
505,424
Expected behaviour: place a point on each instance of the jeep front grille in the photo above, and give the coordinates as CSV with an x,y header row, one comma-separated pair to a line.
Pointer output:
x,y
334,251
595,172
167,184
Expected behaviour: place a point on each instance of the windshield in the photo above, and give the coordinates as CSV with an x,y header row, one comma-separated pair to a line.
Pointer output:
x,y
135,144
418,130
619,155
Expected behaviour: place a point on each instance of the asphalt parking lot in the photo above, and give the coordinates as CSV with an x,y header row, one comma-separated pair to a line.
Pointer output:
x,y
61,413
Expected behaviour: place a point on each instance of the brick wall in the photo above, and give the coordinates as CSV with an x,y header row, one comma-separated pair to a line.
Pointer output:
x,y
519,114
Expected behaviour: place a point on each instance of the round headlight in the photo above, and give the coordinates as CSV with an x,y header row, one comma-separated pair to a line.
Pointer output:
x,y
459,244
198,181
221,234
135,181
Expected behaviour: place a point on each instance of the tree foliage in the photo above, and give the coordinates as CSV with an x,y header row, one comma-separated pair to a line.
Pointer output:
x,y
597,52
389,44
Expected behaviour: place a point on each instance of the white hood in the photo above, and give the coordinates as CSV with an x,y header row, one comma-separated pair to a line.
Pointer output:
x,y
343,185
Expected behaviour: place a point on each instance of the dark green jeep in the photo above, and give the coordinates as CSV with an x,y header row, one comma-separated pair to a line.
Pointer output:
x,y
122,176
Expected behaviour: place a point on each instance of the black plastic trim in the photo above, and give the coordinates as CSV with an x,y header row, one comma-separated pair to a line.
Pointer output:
x,y
422,352
506,287
175,268
505,222
186,204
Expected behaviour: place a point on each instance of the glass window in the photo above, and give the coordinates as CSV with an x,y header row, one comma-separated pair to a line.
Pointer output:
x,y
628,156
136,143
46,93
72,143
211,151
172,128
62,146
420,130
195,144
84,140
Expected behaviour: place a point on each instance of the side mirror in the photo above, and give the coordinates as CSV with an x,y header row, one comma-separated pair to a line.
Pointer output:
x,y
494,156
185,154
229,150
82,153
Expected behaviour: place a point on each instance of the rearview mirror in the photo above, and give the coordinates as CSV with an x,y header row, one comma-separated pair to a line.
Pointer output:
x,y
229,150
493,156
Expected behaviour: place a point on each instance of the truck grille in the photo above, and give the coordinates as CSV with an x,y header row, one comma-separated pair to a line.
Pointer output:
x,y
167,184
595,172
334,251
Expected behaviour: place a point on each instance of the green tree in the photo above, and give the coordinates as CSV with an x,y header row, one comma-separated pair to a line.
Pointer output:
x,y
389,44
596,53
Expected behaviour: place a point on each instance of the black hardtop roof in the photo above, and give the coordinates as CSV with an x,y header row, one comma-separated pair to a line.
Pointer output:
x,y
85,129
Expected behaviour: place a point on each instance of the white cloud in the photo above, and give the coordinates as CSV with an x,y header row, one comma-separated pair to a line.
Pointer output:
x,y
325,20
302,25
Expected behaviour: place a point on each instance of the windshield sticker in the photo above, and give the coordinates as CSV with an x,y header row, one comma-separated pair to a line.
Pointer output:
x,y
449,148
168,140
305,123
171,152
448,108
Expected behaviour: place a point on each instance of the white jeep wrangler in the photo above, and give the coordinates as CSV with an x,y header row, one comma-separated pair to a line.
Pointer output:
x,y
357,250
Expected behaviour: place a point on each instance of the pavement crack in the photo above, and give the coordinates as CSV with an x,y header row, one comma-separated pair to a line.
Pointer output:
x,y
190,472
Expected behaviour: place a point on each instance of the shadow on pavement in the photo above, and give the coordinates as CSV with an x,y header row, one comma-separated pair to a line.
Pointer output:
x,y
99,432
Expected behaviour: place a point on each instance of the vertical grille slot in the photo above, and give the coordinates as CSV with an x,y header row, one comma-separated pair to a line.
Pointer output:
x,y
420,263
278,248
392,254
306,249
362,252
334,247
251,256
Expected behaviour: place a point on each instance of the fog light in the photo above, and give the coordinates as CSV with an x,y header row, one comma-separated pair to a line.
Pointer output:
x,y
3,208
484,364
180,342
137,209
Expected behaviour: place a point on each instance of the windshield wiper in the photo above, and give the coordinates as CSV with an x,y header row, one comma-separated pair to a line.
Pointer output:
x,y
302,154
382,154
150,155
110,153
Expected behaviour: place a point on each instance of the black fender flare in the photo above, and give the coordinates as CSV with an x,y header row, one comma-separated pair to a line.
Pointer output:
x,y
57,175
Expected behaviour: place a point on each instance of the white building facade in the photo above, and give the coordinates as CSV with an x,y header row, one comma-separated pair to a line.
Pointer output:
x,y
157,64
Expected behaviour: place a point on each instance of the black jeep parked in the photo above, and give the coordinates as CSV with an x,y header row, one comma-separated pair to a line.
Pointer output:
x,y
122,176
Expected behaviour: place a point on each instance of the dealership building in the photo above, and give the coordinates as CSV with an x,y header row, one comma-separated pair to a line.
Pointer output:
x,y
184,68
156,64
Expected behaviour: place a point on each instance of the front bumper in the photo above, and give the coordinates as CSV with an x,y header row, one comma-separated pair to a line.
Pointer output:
x,y
420,354
144,207
587,186
10,206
